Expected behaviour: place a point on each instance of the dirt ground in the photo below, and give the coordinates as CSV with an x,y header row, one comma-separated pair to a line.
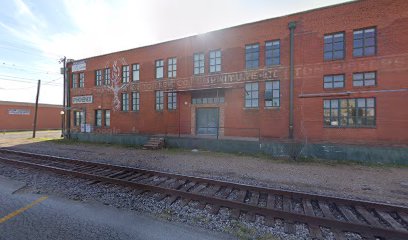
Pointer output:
x,y
373,183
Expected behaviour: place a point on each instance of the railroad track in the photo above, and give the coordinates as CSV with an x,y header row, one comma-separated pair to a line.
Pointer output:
x,y
371,220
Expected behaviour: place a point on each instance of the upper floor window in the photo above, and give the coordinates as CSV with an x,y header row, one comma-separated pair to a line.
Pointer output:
x,y
333,81
252,56
81,80
272,93
74,80
107,118
172,101
364,79
135,72
125,102
272,53
98,118
251,95
198,63
107,76
159,100
125,74
172,67
159,69
334,46
135,101
98,77
364,43
215,61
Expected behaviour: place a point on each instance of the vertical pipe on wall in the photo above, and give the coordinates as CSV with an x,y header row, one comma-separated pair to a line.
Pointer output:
x,y
292,26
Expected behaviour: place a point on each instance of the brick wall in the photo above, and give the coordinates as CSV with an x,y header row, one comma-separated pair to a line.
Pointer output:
x,y
390,18
48,116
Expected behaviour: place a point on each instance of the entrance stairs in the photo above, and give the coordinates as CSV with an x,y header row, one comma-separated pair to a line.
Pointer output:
x,y
155,142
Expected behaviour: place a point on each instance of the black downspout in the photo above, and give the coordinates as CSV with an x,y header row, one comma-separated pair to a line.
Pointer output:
x,y
292,26
68,104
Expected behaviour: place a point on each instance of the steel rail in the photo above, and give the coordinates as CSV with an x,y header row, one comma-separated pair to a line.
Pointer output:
x,y
254,209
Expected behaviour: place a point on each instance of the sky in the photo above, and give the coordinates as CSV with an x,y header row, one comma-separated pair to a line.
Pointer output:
x,y
36,34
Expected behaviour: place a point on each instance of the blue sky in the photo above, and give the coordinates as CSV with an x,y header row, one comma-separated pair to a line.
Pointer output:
x,y
35,34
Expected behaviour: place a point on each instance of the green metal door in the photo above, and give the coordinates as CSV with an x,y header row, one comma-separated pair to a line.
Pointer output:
x,y
207,121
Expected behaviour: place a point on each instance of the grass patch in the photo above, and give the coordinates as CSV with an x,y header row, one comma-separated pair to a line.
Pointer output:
x,y
243,232
99,144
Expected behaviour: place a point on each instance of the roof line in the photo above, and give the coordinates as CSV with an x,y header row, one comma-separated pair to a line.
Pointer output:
x,y
236,26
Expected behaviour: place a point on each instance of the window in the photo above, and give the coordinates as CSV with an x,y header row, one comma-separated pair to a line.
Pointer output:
x,y
81,80
333,81
107,118
98,77
272,93
272,53
355,112
251,95
172,101
198,63
98,118
125,102
135,72
364,79
78,118
135,101
212,96
125,74
215,61
172,67
159,69
74,80
252,56
107,76
334,46
364,43
159,100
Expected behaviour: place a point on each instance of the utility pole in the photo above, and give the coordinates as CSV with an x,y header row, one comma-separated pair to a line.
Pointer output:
x,y
36,107
63,61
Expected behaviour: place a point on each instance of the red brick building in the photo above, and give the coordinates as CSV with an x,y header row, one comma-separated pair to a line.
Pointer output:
x,y
349,72
17,116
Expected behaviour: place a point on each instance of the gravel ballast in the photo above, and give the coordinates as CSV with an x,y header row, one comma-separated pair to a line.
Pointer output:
x,y
374,183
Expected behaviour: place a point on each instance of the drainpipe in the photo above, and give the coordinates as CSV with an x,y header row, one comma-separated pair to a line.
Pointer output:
x,y
292,26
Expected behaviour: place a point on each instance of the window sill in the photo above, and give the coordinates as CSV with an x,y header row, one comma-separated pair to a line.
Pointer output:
x,y
251,108
352,127
364,56
272,108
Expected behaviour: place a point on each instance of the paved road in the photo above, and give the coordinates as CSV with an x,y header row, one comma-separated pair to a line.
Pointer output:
x,y
47,217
